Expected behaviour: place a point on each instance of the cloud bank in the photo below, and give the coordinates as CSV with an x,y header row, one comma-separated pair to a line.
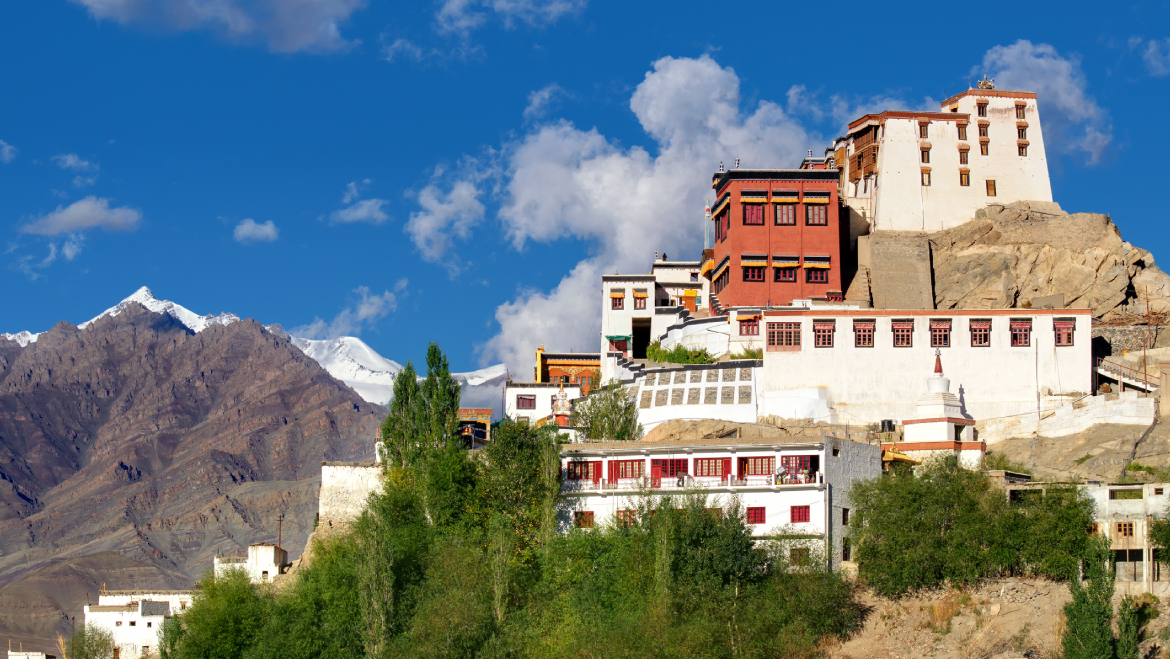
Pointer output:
x,y
249,231
88,213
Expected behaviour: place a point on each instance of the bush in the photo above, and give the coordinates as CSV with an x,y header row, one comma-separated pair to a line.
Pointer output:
x,y
749,353
225,619
1088,629
993,461
945,523
677,355
90,642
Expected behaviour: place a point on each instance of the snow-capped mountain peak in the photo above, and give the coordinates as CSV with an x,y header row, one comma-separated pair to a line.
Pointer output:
x,y
23,338
146,298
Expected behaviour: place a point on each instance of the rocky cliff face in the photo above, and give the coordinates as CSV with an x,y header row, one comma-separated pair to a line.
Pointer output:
x,y
1014,257
137,436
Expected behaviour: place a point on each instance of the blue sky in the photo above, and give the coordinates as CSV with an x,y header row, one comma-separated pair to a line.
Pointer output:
x,y
462,171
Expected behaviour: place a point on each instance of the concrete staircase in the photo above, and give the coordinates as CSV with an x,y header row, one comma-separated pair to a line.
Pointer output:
x,y
900,272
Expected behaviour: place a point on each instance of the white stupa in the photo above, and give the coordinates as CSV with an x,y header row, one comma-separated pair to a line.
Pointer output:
x,y
939,426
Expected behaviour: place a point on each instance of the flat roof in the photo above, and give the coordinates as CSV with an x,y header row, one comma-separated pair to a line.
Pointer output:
x,y
749,443
850,313
990,93
605,278
113,608
720,179
902,114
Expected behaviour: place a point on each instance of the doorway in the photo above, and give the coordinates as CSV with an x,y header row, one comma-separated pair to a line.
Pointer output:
x,y
641,338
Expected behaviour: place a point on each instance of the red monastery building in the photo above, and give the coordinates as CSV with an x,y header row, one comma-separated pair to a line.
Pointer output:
x,y
777,237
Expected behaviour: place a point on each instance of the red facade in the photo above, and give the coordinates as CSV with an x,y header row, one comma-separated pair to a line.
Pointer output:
x,y
778,237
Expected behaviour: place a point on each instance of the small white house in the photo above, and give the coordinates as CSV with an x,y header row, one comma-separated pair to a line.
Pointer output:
x,y
265,561
798,487
533,401
135,626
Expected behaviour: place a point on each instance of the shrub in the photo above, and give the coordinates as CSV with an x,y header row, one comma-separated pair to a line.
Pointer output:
x,y
749,353
90,642
1088,629
678,355
993,461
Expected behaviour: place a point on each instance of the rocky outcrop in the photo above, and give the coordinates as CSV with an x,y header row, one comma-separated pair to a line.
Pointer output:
x,y
137,436
1035,254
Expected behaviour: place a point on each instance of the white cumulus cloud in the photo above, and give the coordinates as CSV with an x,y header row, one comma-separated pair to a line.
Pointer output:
x,y
1073,121
88,213
7,152
366,310
74,162
284,25
366,210
448,212
540,100
250,231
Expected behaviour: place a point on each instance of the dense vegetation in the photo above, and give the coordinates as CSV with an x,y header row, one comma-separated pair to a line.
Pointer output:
x,y
608,413
460,557
948,524
677,355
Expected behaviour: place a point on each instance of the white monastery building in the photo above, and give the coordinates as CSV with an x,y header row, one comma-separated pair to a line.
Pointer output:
x,y
928,171
135,618
264,562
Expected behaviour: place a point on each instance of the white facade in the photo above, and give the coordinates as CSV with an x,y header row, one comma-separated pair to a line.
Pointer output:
x,y
265,562
600,481
872,383
345,489
727,391
903,193
135,626
533,401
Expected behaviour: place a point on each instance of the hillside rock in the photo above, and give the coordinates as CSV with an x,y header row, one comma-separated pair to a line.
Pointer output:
x,y
1013,257
138,436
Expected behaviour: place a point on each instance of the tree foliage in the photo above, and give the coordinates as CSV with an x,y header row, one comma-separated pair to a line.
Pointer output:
x,y
608,413
225,619
1088,628
678,355
90,642
945,523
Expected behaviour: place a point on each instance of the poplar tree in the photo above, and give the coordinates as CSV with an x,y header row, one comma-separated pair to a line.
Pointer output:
x,y
608,413
401,428
1088,632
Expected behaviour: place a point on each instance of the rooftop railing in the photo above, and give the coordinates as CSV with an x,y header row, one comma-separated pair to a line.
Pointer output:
x,y
686,482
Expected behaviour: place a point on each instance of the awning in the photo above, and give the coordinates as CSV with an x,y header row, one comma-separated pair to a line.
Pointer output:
x,y
816,200
1021,324
1065,324
753,200
720,205
940,324
742,317
722,268
813,262
616,294
752,264
640,293
792,263
708,266
981,324
824,324
863,325
903,324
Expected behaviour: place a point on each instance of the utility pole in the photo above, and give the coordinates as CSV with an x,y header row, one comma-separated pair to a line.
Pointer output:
x,y
279,540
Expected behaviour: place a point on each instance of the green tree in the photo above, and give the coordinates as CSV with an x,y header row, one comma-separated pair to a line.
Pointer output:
x,y
225,618
170,638
608,413
1128,628
403,425
90,642
440,395
1088,629
514,482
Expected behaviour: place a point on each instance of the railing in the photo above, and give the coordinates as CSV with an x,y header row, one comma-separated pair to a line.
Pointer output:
x,y
1119,371
688,482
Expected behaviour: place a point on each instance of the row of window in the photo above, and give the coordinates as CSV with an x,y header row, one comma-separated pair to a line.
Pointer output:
x,y
984,150
619,303
528,401
674,467
583,519
981,111
783,275
815,215
786,336
964,181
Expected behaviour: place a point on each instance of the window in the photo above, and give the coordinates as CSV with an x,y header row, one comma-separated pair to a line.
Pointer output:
x,y
981,109
757,466
836,452
749,327
639,303
990,188
800,514
964,177
117,623
1157,491
925,177
816,276
753,213
1125,529
863,333
1064,331
923,131
525,402
628,468
755,273
816,214
1021,132
582,471
925,155
903,333
1022,149
785,213
134,623
583,519
263,577
783,336
983,148
756,515
795,464
963,132
627,517
709,467
148,625
963,156
694,277
1019,112
983,130
617,302
940,334
980,333
1021,333
785,274
823,334
844,517
670,468
798,556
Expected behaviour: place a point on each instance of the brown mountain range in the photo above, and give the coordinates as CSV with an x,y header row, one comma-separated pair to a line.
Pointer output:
x,y
138,447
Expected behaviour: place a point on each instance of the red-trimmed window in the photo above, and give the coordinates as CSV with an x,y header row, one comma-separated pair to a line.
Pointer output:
x,y
753,213
583,519
863,333
526,402
757,466
627,517
709,467
795,464
639,303
785,274
749,327
980,333
582,471
1021,333
816,215
940,334
617,302
823,332
1064,331
800,514
817,275
754,273
783,336
628,468
756,515
903,333
786,214
671,468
